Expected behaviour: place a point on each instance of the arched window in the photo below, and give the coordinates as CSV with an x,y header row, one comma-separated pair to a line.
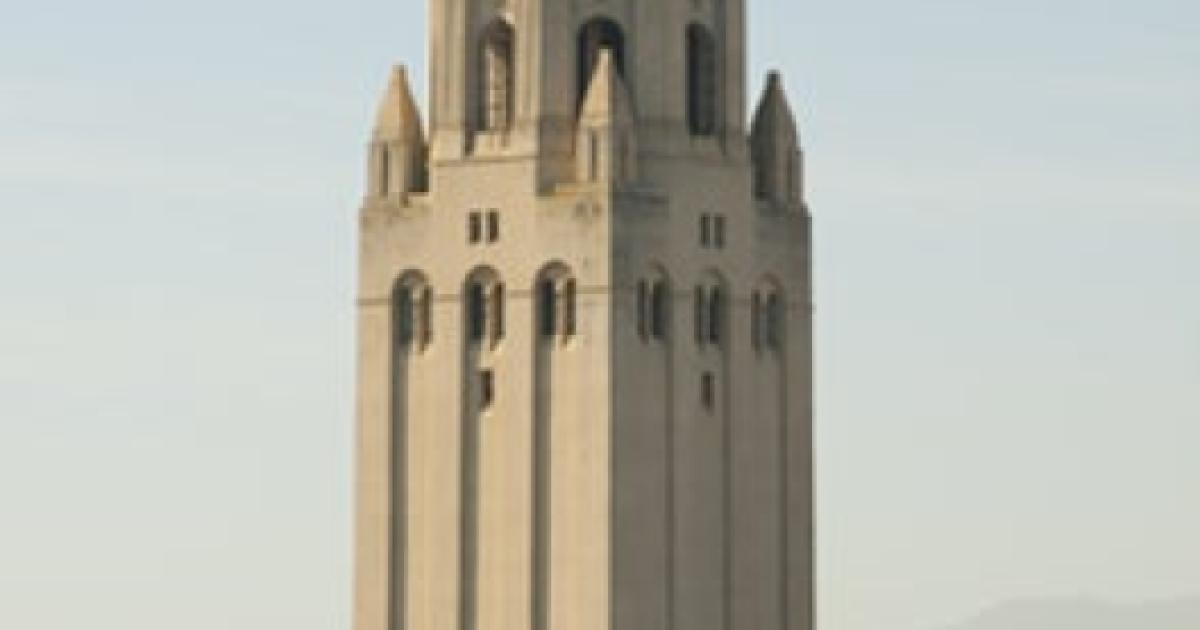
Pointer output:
x,y
484,307
496,77
702,93
597,35
555,297
412,312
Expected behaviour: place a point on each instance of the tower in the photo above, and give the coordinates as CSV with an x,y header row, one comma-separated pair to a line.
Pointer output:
x,y
584,360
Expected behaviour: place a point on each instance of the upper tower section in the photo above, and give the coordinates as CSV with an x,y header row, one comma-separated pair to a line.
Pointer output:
x,y
622,93
509,77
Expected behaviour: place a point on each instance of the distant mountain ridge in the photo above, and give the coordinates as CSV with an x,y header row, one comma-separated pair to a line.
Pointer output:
x,y
1086,614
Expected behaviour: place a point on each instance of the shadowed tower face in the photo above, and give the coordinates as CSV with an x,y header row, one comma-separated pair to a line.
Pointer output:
x,y
584,384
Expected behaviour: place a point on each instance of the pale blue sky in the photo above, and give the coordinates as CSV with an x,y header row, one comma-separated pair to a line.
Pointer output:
x,y
1007,203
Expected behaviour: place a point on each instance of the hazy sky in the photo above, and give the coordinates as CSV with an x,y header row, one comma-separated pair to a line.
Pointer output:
x,y
1007,206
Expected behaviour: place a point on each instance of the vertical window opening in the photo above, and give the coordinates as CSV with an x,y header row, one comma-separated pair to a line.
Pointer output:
x,y
474,228
708,394
719,231
755,320
546,308
699,316
497,312
659,307
716,307
593,156
642,308
701,81
568,308
496,78
493,226
774,322
704,230
487,388
385,171
475,312
404,316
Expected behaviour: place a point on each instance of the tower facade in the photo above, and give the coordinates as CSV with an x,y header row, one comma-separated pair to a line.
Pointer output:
x,y
584,359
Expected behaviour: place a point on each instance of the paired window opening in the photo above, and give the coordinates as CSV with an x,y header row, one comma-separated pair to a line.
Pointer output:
x,y
413,312
709,315
653,309
477,221
485,312
766,320
712,231
557,306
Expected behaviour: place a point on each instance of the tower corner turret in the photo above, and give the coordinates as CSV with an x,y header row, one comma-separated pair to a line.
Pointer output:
x,y
775,148
397,156
606,143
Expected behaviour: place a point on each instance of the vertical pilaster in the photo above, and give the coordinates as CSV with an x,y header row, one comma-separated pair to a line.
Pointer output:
x,y
450,51
733,21
373,585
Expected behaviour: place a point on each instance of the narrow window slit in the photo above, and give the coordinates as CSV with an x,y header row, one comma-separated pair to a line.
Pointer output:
x,y
708,395
487,388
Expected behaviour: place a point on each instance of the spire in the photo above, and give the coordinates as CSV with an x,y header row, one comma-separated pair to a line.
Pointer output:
x,y
775,146
605,147
397,159
774,120
607,99
398,117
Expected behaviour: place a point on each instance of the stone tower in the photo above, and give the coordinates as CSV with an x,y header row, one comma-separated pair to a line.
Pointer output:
x,y
584,330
